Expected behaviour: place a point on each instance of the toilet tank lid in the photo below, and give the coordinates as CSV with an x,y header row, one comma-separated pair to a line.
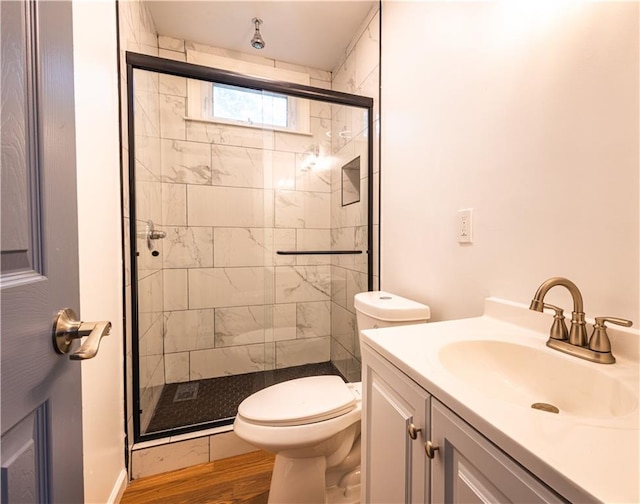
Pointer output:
x,y
299,402
390,307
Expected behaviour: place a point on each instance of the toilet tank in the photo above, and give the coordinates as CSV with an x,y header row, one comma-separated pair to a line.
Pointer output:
x,y
381,309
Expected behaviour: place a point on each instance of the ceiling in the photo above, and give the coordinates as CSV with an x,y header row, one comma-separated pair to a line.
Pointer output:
x,y
309,33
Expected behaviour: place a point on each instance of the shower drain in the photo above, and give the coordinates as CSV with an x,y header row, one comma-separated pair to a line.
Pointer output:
x,y
186,392
550,408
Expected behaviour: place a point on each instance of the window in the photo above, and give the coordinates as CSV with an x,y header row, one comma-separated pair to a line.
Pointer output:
x,y
217,102
249,106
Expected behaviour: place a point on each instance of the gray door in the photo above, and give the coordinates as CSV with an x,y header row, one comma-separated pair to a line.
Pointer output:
x,y
41,395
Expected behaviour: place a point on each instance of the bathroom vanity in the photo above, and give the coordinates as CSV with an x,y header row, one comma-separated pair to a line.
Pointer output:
x,y
448,416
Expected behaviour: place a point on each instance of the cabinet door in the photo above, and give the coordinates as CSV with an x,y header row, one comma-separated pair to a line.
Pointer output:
x,y
394,466
468,468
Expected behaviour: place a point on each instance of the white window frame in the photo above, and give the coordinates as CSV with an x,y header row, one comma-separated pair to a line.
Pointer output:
x,y
200,93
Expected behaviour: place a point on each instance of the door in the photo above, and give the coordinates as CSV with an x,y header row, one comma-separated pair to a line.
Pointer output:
x,y
245,255
41,395
467,468
395,426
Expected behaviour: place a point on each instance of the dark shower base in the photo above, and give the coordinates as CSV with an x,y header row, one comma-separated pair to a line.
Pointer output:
x,y
218,398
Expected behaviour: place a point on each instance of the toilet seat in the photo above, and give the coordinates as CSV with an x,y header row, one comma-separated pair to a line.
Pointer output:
x,y
301,401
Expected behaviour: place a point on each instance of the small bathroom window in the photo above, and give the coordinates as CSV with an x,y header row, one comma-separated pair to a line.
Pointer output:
x,y
249,106
351,182
228,104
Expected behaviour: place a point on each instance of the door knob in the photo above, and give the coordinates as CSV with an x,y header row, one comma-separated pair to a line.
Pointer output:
x,y
67,327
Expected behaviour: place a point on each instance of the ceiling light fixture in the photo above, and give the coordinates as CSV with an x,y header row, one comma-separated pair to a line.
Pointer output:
x,y
257,42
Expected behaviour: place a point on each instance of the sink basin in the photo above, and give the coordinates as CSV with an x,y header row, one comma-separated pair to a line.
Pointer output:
x,y
526,375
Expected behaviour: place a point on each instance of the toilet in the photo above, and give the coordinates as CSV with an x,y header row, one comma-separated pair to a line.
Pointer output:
x,y
377,309
313,424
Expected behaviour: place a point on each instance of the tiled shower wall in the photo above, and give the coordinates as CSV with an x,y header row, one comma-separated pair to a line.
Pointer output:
x,y
358,73
148,132
138,34
231,197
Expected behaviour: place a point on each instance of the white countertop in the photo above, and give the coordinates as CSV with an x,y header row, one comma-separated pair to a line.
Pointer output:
x,y
580,458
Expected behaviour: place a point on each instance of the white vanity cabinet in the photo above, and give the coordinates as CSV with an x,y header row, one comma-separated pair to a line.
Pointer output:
x,y
466,467
394,465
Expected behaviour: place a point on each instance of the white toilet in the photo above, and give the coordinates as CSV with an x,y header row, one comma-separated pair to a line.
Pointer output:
x,y
313,424
377,309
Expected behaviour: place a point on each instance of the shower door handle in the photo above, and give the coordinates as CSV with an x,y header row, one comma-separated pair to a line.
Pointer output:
x,y
150,233
67,327
157,235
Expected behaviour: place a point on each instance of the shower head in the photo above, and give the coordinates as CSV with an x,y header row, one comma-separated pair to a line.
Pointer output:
x,y
257,42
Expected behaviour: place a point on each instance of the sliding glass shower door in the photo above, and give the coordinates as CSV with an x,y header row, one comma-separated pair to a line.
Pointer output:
x,y
250,236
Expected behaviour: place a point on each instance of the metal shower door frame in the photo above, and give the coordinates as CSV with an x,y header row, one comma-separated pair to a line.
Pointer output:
x,y
136,61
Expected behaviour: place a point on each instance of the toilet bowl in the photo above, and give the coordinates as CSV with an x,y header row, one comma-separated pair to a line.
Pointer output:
x,y
313,424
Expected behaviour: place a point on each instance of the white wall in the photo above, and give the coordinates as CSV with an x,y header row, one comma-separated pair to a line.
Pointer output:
x,y
528,113
97,153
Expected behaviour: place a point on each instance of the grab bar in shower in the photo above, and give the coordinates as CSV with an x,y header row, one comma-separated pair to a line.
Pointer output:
x,y
317,252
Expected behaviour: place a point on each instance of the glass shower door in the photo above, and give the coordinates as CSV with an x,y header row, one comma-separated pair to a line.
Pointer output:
x,y
251,238
202,274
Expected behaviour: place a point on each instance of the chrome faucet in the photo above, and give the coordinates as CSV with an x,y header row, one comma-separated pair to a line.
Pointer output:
x,y
598,347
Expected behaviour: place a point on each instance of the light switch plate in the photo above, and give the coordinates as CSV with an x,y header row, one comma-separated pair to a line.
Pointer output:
x,y
465,225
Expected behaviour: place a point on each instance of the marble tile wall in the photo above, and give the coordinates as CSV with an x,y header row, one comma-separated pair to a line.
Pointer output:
x,y
137,33
231,196
148,208
177,452
358,72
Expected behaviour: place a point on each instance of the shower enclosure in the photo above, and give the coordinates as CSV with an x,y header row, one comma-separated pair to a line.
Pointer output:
x,y
250,234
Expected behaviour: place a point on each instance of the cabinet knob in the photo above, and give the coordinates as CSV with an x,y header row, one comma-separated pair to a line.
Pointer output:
x,y
413,431
431,449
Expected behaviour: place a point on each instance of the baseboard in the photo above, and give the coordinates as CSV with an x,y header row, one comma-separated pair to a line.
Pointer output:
x,y
119,488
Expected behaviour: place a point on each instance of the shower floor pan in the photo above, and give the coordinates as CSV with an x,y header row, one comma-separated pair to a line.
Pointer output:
x,y
215,399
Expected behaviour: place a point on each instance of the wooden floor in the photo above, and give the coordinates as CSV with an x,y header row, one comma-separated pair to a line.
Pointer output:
x,y
241,479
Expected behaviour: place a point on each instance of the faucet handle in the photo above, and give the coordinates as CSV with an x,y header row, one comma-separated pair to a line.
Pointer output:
x,y
614,320
558,328
599,341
